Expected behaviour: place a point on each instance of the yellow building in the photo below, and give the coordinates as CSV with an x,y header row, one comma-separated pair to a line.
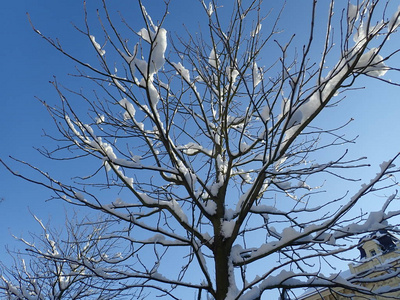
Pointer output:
x,y
378,271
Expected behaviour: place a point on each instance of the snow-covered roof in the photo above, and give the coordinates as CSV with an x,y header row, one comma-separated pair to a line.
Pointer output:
x,y
383,238
312,290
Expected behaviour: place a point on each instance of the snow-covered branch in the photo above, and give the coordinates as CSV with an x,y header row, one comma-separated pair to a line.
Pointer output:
x,y
205,147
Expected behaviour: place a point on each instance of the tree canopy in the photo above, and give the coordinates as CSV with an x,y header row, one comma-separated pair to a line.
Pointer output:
x,y
201,155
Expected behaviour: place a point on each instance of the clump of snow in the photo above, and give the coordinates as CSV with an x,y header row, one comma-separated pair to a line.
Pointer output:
x,y
173,205
243,147
130,110
210,207
148,68
64,282
214,188
227,228
352,13
265,113
79,135
158,51
373,223
119,85
296,118
386,165
244,175
153,93
119,202
100,119
285,106
97,46
158,41
289,234
189,176
182,71
141,65
394,22
257,75
194,148
371,63
144,34
256,31
213,59
359,37
383,290
284,185
79,196
232,74
210,9
221,164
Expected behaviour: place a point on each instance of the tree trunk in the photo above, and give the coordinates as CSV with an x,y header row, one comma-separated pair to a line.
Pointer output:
x,y
221,258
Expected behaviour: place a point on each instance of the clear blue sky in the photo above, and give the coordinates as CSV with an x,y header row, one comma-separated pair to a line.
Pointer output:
x,y
28,64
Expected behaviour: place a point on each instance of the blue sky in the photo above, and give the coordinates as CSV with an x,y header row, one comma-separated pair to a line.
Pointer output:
x,y
28,63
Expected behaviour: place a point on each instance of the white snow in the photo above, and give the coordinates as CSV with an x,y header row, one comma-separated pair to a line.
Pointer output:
x,y
297,117
158,41
172,204
182,71
352,13
209,206
64,282
256,31
214,189
243,147
284,185
227,228
289,234
79,196
213,59
153,94
359,37
144,34
194,148
119,85
100,119
210,9
141,65
386,165
158,51
394,21
130,109
232,74
265,113
371,63
244,175
257,75
97,46
71,125
221,164
189,176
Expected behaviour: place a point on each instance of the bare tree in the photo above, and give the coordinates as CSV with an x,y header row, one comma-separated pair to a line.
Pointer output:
x,y
55,268
214,159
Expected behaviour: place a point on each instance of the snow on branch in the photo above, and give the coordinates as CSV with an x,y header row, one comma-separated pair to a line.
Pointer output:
x,y
213,136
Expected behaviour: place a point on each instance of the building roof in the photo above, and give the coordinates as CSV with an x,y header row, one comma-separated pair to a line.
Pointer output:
x,y
384,241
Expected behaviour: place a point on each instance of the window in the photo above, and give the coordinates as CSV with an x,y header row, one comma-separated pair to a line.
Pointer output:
x,y
372,252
